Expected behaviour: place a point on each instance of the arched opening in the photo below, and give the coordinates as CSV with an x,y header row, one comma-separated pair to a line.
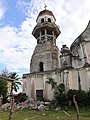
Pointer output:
x,y
42,20
49,32
38,35
41,66
42,32
49,20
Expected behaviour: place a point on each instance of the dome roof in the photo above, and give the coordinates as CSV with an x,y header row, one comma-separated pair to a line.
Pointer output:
x,y
65,49
47,12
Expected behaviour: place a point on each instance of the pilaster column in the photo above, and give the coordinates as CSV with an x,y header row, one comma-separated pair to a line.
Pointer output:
x,y
67,81
40,35
84,54
54,41
46,34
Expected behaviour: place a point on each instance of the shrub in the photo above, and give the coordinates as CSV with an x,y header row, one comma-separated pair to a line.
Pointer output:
x,y
81,97
88,98
21,97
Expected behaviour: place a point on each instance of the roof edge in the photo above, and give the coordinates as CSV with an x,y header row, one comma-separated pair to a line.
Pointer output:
x,y
40,13
80,34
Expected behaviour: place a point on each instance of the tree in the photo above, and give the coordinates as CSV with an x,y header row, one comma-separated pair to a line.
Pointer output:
x,y
88,97
14,86
61,88
77,108
3,89
5,73
16,82
52,82
12,75
81,97
60,95
3,85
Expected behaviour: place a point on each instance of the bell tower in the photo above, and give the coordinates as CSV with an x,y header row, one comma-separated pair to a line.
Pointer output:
x,y
46,53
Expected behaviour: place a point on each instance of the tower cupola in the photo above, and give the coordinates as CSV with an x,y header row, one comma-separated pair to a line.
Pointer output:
x,y
46,15
65,50
65,57
46,29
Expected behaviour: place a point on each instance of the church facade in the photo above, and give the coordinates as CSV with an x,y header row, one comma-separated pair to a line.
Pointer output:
x,y
68,66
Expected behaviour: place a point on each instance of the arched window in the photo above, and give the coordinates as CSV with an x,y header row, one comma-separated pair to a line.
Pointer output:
x,y
42,20
49,20
41,66
38,35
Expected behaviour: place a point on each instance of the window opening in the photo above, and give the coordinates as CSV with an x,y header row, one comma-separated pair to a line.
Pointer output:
x,y
49,20
42,20
42,32
49,32
41,67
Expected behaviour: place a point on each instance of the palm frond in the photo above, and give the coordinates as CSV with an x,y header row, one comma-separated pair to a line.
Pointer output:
x,y
19,83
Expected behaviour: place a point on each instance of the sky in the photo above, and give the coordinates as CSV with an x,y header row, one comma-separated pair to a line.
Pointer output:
x,y
18,18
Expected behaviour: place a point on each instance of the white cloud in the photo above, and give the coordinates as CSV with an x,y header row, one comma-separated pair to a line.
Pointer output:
x,y
2,8
31,7
16,47
17,44
72,17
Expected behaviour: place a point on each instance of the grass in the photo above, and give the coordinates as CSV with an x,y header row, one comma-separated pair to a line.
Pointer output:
x,y
45,115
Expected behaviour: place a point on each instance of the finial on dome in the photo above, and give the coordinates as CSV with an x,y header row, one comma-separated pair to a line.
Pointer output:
x,y
45,6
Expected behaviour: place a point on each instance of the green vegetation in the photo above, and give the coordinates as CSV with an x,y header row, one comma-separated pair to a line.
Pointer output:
x,y
4,83
3,89
52,82
45,115
64,99
15,83
21,97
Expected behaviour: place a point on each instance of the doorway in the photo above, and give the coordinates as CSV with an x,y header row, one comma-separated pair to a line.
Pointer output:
x,y
39,95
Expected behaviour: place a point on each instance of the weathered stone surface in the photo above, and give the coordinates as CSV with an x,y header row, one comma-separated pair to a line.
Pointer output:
x,y
68,66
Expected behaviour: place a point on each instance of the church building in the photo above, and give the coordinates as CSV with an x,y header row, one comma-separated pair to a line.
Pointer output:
x,y
68,66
